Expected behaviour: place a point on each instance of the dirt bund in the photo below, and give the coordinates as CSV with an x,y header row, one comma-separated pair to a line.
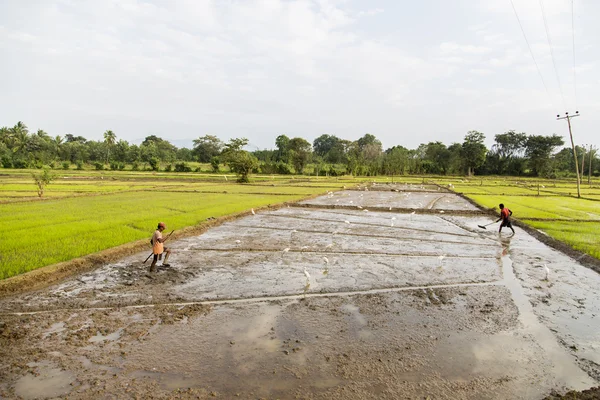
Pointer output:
x,y
390,209
52,274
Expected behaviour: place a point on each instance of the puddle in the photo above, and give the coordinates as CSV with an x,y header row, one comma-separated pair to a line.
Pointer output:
x,y
563,364
55,328
50,382
110,337
356,321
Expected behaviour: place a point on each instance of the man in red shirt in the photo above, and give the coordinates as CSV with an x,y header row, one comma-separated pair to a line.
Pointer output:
x,y
505,214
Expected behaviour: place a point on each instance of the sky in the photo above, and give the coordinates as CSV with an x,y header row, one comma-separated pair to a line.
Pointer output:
x,y
408,72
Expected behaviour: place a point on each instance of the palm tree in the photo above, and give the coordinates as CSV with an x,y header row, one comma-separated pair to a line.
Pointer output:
x,y
110,139
19,137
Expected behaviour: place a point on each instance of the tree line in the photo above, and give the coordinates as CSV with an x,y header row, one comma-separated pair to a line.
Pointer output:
x,y
516,154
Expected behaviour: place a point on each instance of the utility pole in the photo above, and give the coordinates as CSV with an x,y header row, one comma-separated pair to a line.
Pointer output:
x,y
590,167
568,118
583,163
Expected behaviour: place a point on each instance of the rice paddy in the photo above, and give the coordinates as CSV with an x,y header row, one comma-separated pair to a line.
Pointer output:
x,y
84,212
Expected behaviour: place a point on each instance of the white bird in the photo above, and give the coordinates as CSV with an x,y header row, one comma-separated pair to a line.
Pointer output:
x,y
347,222
326,260
547,271
306,274
252,210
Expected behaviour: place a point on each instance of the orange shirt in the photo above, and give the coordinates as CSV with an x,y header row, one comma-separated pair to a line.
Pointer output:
x,y
157,246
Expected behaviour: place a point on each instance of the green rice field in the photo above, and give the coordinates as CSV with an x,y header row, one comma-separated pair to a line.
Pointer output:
x,y
90,213
84,212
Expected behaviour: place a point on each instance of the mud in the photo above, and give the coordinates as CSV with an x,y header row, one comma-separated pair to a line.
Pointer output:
x,y
317,303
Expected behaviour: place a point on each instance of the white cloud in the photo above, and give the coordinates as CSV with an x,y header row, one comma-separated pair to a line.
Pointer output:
x,y
259,67
455,48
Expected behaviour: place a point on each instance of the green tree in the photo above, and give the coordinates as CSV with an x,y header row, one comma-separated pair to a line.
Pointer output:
x,y
506,155
455,159
207,147
109,139
283,146
473,151
299,153
437,158
395,161
538,149
163,149
238,160
330,147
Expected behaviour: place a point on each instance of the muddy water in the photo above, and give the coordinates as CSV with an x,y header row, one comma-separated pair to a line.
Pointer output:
x,y
316,303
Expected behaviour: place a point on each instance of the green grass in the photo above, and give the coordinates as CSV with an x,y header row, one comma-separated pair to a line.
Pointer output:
x,y
582,236
556,211
68,225
567,208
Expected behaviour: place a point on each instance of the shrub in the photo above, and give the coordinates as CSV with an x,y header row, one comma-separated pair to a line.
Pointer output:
x,y
7,162
214,163
42,180
182,167
20,163
284,169
154,163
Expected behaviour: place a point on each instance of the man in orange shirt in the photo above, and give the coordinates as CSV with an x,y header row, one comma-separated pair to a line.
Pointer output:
x,y
158,248
505,214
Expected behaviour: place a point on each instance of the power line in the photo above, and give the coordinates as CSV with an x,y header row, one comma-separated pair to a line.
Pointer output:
x,y
573,31
531,51
552,53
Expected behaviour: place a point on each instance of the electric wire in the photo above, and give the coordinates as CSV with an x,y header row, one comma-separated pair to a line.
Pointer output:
x,y
531,51
574,68
552,54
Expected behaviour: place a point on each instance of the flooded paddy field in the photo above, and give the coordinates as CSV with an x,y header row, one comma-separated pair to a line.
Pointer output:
x,y
391,292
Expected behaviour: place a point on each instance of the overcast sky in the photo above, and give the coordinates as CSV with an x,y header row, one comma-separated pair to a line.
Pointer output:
x,y
409,72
